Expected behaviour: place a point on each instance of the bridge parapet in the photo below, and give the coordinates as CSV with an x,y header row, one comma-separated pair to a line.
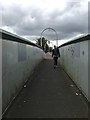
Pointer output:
x,y
19,57
75,59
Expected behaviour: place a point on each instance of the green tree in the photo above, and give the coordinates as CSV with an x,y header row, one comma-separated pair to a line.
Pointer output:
x,y
44,42
47,49
50,49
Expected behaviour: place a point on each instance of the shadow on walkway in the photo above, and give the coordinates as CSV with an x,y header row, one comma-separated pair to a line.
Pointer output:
x,y
48,94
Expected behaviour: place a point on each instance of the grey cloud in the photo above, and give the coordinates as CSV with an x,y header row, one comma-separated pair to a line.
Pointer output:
x,y
12,16
67,23
72,21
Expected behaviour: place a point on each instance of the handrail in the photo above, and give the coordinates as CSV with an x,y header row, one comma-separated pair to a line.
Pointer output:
x,y
4,35
81,39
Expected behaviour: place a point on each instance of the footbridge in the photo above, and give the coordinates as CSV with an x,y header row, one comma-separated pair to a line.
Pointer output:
x,y
32,88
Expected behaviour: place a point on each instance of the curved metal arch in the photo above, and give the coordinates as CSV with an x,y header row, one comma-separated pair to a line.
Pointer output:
x,y
55,33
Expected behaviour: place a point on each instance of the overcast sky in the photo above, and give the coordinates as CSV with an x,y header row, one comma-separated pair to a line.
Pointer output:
x,y
28,18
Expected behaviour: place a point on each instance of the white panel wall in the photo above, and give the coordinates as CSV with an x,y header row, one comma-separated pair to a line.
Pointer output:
x,y
0,78
89,69
19,60
74,59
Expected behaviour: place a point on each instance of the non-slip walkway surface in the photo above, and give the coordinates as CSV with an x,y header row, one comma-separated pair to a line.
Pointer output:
x,y
49,94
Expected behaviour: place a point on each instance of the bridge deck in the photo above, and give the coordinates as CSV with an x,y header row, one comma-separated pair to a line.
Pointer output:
x,y
50,93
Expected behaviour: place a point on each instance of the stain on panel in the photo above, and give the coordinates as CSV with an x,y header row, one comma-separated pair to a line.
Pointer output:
x,y
21,52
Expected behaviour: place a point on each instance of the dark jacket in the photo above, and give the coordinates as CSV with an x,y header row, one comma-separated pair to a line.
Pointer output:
x,y
55,52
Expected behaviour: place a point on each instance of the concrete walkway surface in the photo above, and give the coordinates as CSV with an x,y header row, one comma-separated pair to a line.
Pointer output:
x,y
49,93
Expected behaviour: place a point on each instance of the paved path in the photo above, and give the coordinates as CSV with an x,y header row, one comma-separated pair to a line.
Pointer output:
x,y
49,94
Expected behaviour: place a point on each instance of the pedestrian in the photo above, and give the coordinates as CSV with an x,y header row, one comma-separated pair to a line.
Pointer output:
x,y
55,55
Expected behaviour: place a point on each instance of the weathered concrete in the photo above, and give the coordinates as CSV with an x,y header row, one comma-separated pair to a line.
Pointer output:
x,y
75,61
49,94
0,78
18,62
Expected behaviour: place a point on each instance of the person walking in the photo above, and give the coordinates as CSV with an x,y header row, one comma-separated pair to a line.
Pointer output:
x,y
55,55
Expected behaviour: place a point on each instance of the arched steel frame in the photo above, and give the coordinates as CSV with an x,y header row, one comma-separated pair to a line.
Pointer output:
x,y
50,29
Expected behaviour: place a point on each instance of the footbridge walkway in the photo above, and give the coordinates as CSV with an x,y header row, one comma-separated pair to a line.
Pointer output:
x,y
32,88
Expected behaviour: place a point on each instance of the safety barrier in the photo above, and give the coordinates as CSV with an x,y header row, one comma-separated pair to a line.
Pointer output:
x,y
19,58
0,77
75,59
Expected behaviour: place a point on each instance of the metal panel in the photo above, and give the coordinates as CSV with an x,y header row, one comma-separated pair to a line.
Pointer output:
x,y
89,69
19,60
75,62
0,78
83,83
